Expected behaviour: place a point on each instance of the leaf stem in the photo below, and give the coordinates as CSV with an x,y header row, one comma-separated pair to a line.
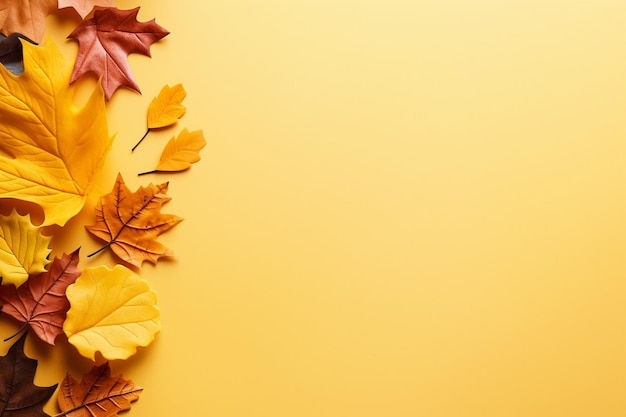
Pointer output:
x,y
20,330
99,250
141,140
147,172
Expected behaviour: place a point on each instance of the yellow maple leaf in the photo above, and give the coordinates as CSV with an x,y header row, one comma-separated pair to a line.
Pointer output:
x,y
113,311
50,150
23,249
165,109
181,152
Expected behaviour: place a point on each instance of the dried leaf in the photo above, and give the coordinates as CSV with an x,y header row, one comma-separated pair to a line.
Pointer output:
x,y
165,109
84,7
50,150
105,41
11,52
25,16
23,249
181,152
19,397
112,311
41,301
130,222
97,395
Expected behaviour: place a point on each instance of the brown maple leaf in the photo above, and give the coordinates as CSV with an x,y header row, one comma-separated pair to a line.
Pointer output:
x,y
97,395
25,16
41,302
19,397
84,7
130,222
106,40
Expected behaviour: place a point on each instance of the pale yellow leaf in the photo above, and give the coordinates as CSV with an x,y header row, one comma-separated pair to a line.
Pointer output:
x,y
166,108
113,312
181,152
50,150
23,249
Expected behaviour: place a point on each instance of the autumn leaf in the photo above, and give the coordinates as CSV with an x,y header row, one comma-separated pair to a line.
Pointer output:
x,y
41,301
113,311
130,222
181,152
25,16
97,394
105,41
165,109
50,150
84,7
11,52
23,249
19,397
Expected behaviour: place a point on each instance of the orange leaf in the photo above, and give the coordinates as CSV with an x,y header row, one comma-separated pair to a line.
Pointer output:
x,y
130,222
84,7
97,395
27,17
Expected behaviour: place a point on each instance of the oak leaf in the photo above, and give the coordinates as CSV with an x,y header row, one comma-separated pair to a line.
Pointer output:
x,y
50,150
130,222
97,394
19,397
113,311
181,152
106,40
11,52
23,249
41,301
25,16
84,7
165,109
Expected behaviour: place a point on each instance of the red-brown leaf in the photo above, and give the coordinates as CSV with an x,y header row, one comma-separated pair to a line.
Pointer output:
x,y
41,302
97,395
106,40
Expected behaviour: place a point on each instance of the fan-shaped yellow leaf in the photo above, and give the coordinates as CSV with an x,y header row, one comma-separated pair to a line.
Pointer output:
x,y
166,108
23,249
113,311
50,150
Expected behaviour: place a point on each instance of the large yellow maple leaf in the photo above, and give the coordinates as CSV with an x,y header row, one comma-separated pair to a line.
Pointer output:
x,y
50,150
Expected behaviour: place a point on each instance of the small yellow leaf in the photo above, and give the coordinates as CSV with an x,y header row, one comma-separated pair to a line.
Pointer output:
x,y
113,311
166,108
23,249
181,152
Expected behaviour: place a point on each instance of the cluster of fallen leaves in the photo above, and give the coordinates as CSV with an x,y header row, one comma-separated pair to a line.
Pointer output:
x,y
51,152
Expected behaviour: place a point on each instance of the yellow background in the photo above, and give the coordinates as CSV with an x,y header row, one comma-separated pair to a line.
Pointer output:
x,y
405,208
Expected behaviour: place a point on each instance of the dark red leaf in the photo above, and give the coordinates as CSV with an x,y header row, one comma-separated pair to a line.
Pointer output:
x,y
19,397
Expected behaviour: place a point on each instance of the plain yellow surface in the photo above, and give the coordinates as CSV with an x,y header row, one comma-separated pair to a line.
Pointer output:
x,y
405,208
